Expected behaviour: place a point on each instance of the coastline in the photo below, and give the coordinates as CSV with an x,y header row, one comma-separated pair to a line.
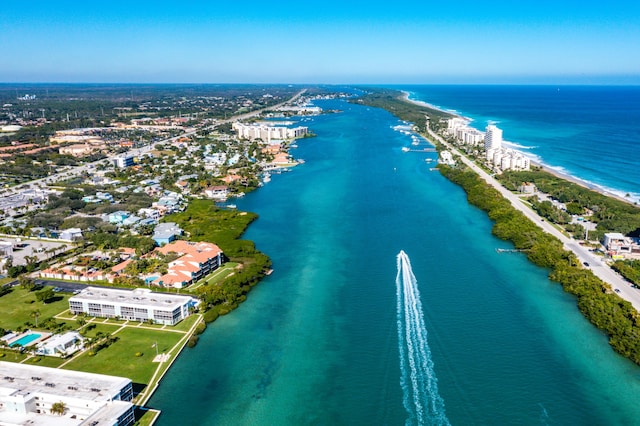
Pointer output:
x,y
544,167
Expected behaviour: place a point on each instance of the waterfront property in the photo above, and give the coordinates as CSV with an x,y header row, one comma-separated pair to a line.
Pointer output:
x,y
36,395
267,133
197,260
136,305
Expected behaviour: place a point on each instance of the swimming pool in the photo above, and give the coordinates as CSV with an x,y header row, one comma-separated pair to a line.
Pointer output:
x,y
26,339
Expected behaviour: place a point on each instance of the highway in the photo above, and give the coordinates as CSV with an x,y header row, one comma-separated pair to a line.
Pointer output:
x,y
78,170
589,260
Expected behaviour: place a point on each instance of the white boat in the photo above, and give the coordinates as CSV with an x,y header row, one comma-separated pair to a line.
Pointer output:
x,y
405,149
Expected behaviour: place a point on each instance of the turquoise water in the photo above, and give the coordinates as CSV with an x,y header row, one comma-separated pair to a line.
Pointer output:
x,y
25,340
317,341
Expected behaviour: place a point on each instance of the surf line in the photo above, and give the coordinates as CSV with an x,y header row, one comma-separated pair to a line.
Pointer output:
x,y
418,380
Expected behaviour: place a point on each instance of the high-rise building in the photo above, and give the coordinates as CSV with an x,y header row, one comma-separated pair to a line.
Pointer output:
x,y
492,138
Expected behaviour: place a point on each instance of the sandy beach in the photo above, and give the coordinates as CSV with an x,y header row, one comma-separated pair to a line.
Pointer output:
x,y
546,168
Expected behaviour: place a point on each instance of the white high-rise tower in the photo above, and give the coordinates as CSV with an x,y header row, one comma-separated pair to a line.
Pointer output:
x,y
492,138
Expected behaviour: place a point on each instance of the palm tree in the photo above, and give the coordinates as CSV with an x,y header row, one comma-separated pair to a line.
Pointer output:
x,y
58,408
35,314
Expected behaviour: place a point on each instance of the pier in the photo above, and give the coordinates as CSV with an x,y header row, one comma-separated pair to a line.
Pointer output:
x,y
420,150
501,250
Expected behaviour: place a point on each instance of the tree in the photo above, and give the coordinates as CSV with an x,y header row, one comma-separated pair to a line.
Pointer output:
x,y
27,282
58,408
35,314
45,294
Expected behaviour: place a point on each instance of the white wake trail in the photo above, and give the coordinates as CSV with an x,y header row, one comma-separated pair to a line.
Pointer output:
x,y
419,384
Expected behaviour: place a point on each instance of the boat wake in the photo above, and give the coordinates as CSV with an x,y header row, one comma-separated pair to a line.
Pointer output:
x,y
418,380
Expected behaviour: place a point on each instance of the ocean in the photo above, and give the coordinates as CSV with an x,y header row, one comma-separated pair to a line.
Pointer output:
x,y
590,132
347,332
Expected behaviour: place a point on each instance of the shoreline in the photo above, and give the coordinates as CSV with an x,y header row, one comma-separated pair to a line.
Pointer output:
x,y
544,167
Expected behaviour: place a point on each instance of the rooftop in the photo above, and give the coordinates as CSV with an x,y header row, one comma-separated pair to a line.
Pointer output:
x,y
16,379
140,296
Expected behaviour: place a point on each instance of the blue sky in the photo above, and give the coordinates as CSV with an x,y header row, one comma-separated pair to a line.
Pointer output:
x,y
321,42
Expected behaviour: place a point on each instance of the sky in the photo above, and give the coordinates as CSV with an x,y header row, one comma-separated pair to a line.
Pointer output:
x,y
337,42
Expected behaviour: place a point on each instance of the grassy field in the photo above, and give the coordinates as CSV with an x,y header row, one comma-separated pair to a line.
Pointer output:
x,y
46,361
221,273
120,358
18,305
10,355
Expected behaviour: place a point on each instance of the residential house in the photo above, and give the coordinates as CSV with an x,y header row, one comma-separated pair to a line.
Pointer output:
x,y
164,233
118,217
217,192
61,344
71,234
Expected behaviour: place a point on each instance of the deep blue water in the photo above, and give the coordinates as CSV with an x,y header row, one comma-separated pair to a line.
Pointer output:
x,y
317,341
591,132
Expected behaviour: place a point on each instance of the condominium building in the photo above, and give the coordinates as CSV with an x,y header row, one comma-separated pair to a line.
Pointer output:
x,y
508,159
29,392
136,305
196,261
469,136
268,133
492,138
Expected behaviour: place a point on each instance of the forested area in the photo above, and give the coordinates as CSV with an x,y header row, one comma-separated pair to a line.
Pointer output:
x,y
602,307
611,214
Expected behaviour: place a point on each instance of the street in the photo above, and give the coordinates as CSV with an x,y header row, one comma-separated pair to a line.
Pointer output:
x,y
586,257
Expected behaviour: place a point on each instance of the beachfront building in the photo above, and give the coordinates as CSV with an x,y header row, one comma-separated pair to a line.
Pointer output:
x,y
455,123
136,305
459,129
469,136
268,133
507,159
492,138
28,393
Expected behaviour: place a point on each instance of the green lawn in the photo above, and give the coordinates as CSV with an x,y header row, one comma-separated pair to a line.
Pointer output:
x,y
17,306
11,355
120,358
185,324
220,274
46,361
92,329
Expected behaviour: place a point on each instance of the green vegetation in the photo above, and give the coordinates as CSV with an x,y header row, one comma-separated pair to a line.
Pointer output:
x,y
18,305
630,269
596,301
122,354
206,222
394,102
611,214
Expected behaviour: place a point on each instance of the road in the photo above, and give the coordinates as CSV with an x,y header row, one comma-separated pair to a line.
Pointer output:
x,y
587,258
76,171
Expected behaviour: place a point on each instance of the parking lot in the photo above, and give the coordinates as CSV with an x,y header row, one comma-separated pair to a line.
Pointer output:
x,y
24,249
